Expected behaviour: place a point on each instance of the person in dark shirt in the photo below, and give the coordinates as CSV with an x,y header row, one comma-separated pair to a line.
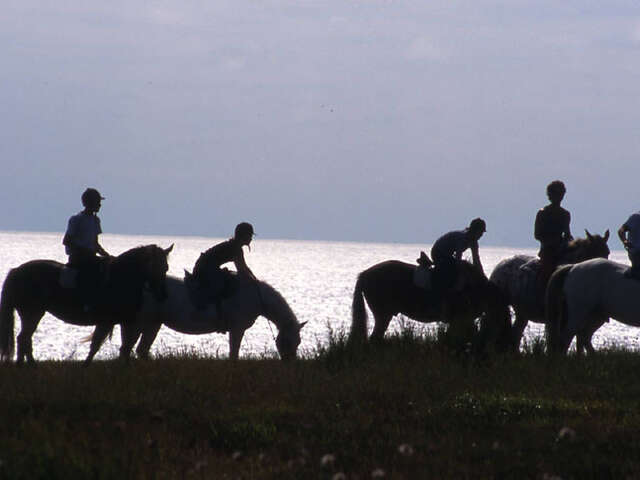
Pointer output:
x,y
451,245
447,251
207,271
552,230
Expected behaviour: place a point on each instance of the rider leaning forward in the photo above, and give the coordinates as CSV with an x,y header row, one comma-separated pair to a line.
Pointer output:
x,y
451,245
207,272
553,232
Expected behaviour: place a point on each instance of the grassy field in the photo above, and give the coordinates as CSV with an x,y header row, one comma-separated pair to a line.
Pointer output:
x,y
405,409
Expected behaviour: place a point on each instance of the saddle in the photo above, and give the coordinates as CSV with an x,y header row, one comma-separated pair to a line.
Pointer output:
x,y
96,275
224,286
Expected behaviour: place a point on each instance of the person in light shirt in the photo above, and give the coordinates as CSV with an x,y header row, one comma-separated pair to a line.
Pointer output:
x,y
82,245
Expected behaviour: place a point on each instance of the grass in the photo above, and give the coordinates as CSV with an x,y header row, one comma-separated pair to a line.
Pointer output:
x,y
408,408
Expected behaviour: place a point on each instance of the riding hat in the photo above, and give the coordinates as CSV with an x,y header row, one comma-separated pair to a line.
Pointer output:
x,y
91,196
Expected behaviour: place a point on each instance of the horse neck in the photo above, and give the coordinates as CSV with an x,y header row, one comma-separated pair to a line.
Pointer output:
x,y
127,267
579,251
275,308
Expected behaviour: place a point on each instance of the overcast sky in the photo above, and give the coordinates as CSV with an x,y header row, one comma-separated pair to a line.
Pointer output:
x,y
389,121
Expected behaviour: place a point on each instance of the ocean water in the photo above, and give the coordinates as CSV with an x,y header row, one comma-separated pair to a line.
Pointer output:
x,y
315,277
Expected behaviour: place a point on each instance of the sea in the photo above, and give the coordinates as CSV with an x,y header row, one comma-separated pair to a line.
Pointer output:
x,y
315,277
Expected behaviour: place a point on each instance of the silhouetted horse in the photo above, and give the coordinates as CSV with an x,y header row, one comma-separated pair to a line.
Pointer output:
x,y
239,311
581,297
389,289
516,277
34,288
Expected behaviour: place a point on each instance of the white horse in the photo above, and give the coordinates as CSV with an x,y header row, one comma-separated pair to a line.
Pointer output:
x,y
581,297
238,312
516,278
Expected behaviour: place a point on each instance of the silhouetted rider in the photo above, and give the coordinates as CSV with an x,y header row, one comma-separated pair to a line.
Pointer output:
x,y
82,246
552,230
207,273
450,246
629,234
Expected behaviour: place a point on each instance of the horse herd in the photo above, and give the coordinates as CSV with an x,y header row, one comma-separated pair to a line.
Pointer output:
x,y
138,294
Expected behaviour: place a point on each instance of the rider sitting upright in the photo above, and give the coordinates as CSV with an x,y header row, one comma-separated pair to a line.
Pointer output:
x,y
553,232
629,234
209,277
82,246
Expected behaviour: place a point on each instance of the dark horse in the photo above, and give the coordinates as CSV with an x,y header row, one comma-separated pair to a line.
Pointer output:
x,y
389,289
34,288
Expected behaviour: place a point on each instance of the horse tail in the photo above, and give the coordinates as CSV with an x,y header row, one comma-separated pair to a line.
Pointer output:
x,y
358,313
7,319
555,308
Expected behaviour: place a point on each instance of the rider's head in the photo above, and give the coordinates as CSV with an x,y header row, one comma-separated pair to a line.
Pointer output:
x,y
91,199
477,227
244,233
556,191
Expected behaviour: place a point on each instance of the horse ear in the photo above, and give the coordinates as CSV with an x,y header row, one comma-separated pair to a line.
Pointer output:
x,y
187,274
606,235
167,251
588,234
302,325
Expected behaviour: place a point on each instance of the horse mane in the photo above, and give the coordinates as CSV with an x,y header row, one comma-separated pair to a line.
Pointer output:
x,y
276,306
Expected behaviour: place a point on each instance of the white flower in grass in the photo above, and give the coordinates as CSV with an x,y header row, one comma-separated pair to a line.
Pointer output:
x,y
328,460
378,473
405,449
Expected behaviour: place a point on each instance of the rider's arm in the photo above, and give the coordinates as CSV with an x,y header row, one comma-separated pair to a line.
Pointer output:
x,y
475,257
622,234
241,265
538,230
567,231
101,251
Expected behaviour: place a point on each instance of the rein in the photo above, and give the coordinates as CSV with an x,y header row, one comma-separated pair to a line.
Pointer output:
x,y
263,309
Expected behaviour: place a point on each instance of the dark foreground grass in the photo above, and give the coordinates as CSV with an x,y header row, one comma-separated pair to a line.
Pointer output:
x,y
406,409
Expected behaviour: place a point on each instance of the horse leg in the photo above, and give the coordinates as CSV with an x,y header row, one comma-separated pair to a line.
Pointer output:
x,y
129,333
29,323
149,334
382,320
517,330
235,338
583,340
99,334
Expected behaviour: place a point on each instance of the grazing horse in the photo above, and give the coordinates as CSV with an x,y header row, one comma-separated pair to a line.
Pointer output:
x,y
35,287
581,297
516,277
250,299
389,289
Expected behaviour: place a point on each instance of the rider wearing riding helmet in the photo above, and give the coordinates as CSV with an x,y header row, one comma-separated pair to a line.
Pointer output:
x,y
207,272
81,238
82,245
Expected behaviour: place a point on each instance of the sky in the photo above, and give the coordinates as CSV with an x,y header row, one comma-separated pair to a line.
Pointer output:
x,y
376,120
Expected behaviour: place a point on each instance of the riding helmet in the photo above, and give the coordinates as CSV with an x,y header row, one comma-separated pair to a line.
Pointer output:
x,y
90,197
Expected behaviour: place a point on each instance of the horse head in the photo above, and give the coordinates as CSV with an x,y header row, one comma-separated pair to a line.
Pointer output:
x,y
155,270
288,340
592,246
